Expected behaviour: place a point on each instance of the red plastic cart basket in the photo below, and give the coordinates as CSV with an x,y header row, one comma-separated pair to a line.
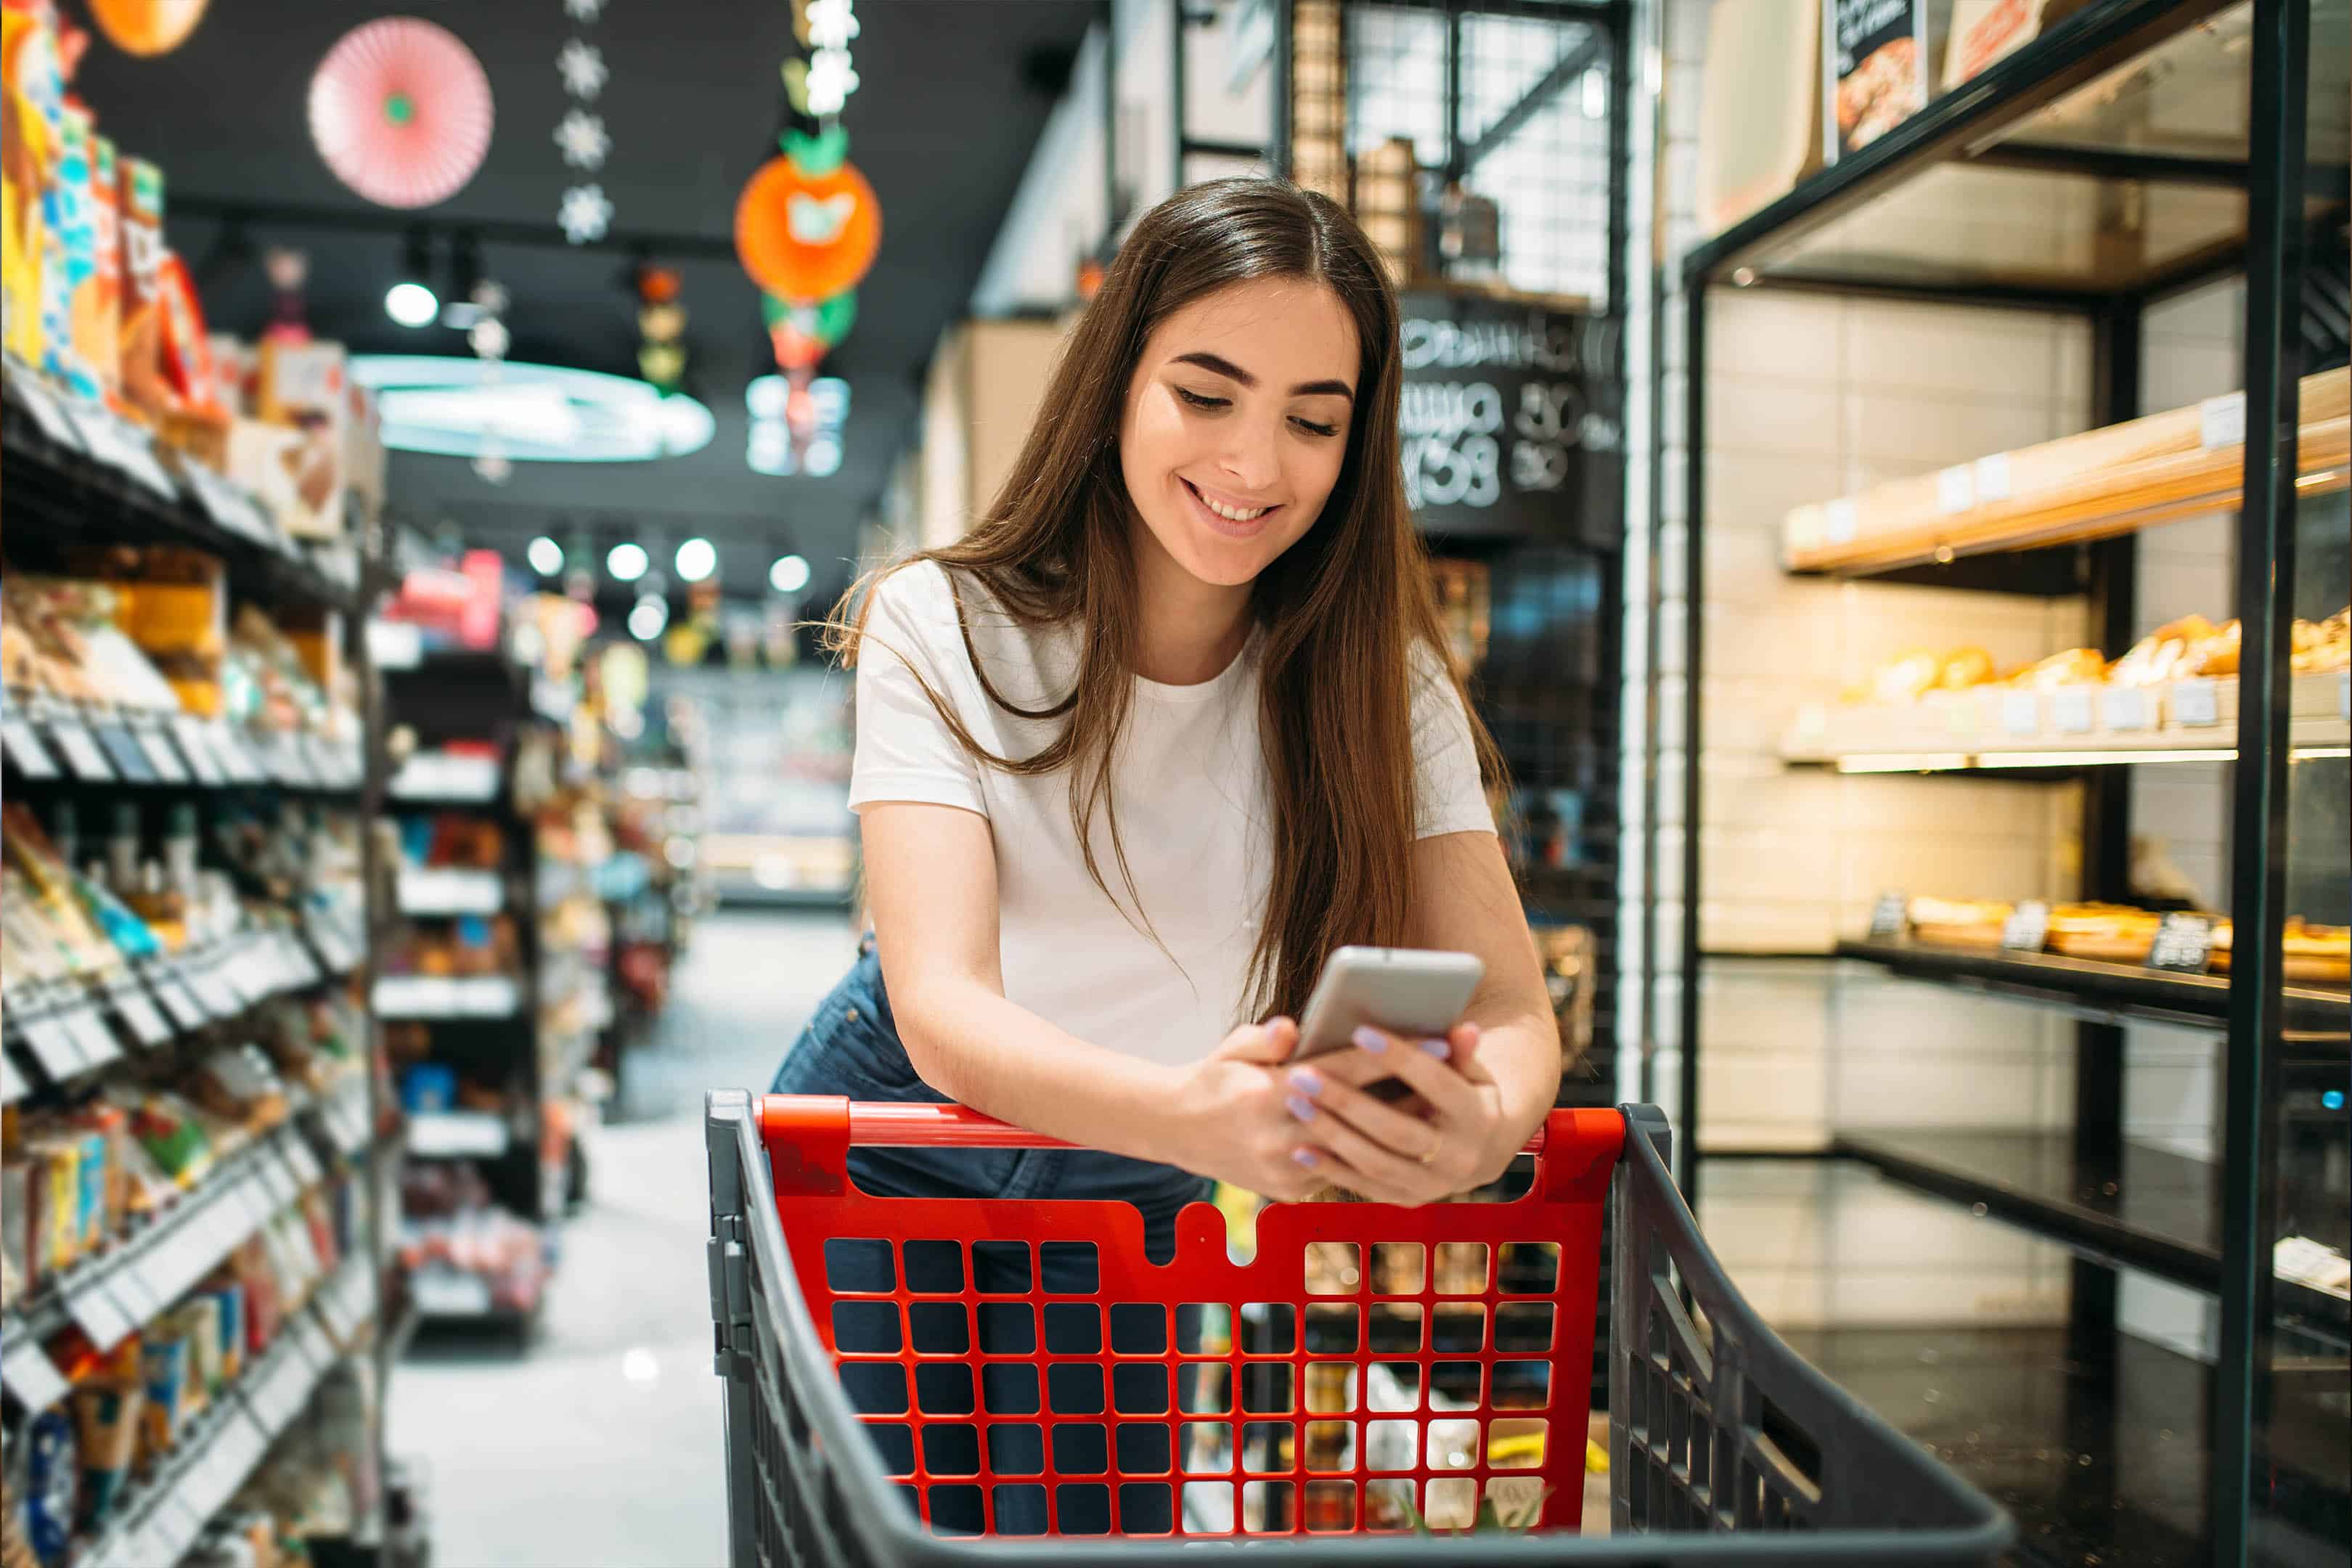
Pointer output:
x,y
1366,1365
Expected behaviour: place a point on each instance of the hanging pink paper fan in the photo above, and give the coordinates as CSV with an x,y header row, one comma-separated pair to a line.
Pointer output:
x,y
400,111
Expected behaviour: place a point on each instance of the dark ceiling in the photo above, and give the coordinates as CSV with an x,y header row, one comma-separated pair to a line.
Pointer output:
x,y
953,94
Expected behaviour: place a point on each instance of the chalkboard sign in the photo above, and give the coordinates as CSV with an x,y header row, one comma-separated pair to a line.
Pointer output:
x,y
1875,69
1513,419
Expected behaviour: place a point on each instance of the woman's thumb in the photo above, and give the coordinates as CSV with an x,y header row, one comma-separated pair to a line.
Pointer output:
x,y
1272,1041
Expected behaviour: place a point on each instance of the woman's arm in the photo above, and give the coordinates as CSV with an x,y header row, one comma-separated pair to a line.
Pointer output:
x,y
930,874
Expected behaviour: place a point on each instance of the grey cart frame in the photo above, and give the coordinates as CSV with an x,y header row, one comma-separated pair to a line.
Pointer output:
x,y
1724,1446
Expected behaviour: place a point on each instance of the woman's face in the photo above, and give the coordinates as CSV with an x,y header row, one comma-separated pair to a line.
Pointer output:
x,y
1237,424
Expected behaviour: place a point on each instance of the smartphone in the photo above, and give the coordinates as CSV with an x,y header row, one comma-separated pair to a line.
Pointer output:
x,y
1408,991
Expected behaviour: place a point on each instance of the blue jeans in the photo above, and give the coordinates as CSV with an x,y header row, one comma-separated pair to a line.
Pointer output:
x,y
851,1047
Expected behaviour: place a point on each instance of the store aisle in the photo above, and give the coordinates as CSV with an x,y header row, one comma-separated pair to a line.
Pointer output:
x,y
599,1448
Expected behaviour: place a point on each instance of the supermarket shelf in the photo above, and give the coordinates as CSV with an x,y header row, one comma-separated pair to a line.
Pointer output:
x,y
440,890
67,1035
458,1134
2078,487
2014,730
45,739
2148,1209
77,473
2092,988
426,997
162,1521
109,1294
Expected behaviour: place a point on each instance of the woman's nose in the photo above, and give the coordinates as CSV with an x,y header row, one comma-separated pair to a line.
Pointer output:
x,y
1251,456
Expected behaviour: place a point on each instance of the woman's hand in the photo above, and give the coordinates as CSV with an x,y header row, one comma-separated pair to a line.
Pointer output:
x,y
1454,1133
1234,1114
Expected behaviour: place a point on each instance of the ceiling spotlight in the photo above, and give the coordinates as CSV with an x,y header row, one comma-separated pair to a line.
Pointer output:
x,y
546,556
411,300
627,563
647,618
790,575
697,560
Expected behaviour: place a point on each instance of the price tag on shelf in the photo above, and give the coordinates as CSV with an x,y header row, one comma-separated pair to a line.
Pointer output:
x,y
46,411
1839,521
2184,943
304,1161
2125,708
1955,489
2070,710
2344,694
123,446
196,745
122,749
2027,928
96,1041
220,999
181,1002
2222,421
2195,704
25,750
137,1010
26,1372
12,1087
81,753
162,757
2020,714
93,1308
440,1293
1991,476
54,1046
1890,917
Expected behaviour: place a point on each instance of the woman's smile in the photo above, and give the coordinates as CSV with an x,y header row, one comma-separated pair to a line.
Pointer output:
x,y
1227,515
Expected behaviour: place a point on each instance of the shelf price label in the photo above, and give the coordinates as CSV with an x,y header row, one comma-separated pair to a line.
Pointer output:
x,y
25,749
2028,928
2222,421
2184,943
138,1014
1890,917
2195,704
1991,476
2125,707
2020,714
54,1046
26,1372
47,412
196,745
2070,710
123,749
1955,489
442,1294
1839,521
161,756
181,1002
81,752
90,1031
12,1087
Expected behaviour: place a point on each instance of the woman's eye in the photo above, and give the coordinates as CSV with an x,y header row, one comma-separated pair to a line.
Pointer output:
x,y
1199,400
1314,429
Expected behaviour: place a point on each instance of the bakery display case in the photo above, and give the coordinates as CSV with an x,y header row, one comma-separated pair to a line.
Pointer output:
x,y
2011,778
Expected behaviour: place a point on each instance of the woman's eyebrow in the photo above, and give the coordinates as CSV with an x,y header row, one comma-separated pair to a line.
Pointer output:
x,y
1218,365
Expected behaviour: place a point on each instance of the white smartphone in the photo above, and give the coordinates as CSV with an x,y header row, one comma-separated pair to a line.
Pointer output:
x,y
1407,991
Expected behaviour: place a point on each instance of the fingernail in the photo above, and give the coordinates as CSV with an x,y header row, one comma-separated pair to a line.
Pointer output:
x,y
1300,1107
1304,1156
1368,1038
1437,1048
1306,1080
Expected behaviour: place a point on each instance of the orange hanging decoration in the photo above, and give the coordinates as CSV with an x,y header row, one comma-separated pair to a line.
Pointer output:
x,y
806,238
147,27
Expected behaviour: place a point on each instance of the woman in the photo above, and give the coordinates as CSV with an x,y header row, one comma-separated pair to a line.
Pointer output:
x,y
1169,724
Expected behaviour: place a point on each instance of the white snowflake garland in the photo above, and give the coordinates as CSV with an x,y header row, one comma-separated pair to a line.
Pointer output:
x,y
585,214
582,65
584,10
583,140
831,75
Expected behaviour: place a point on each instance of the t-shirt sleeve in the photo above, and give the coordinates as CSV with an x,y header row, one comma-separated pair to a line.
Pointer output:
x,y
906,752
1447,795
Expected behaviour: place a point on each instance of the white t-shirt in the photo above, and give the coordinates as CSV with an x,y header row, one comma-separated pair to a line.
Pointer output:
x,y
1191,788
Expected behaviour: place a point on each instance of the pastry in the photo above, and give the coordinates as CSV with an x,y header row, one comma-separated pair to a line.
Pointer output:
x,y
2072,667
1958,922
2312,953
2108,931
1964,667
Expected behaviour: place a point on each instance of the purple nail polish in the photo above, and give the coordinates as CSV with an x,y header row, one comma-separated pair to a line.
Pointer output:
x,y
1301,1106
1371,1039
1306,1080
1438,1048
1304,1156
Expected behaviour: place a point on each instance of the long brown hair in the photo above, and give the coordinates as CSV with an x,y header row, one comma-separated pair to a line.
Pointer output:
x,y
1341,611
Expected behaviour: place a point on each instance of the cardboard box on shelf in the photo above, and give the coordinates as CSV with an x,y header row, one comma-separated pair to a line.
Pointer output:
x,y
306,387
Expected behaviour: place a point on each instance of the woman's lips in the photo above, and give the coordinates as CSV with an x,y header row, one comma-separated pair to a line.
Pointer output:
x,y
1219,524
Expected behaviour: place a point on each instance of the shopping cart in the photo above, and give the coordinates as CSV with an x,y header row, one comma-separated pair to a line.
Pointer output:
x,y
1366,1371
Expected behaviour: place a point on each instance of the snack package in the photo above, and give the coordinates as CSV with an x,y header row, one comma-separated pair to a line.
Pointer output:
x,y
57,1200
93,1177
73,250
167,1407
52,1478
228,1296
140,213
25,156
306,387
98,320
16,1223
198,1321
107,1406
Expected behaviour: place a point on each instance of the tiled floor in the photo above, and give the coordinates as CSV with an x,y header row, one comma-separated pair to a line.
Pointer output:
x,y
599,1446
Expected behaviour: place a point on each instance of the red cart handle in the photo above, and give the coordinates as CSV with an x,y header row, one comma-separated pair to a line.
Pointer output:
x,y
809,1137
913,1125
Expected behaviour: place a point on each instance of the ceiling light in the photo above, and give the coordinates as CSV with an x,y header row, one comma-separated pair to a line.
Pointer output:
x,y
546,556
790,575
455,405
647,618
411,304
696,559
627,563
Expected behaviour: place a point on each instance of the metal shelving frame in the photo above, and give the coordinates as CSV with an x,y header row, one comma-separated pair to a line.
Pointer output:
x,y
2288,204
